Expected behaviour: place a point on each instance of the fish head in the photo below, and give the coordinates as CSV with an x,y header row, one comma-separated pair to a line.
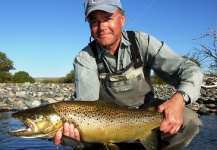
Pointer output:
x,y
41,122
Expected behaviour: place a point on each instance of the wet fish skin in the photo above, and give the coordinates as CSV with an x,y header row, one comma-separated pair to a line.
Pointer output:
x,y
97,121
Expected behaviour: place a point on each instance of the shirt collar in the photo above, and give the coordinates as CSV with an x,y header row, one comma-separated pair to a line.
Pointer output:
x,y
124,39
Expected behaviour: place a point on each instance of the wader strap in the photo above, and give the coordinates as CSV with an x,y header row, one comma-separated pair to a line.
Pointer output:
x,y
135,56
99,60
134,50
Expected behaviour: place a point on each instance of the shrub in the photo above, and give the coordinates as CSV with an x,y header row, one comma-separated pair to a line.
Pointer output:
x,y
5,77
157,80
21,77
68,79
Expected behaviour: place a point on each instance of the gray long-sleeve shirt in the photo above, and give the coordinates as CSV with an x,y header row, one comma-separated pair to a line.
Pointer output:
x,y
175,70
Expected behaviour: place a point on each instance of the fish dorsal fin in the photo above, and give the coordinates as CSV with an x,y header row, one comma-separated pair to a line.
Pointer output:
x,y
150,140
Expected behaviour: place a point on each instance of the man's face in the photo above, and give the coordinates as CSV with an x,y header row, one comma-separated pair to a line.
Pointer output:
x,y
106,27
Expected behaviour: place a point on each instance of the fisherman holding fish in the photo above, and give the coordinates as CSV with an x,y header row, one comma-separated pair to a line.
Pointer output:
x,y
116,66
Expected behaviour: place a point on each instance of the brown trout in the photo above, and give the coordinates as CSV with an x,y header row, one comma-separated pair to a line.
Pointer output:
x,y
97,121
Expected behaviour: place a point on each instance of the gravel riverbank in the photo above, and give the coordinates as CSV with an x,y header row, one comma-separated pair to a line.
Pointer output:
x,y
27,95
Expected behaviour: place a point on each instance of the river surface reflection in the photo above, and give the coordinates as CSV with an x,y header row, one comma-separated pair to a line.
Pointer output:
x,y
207,139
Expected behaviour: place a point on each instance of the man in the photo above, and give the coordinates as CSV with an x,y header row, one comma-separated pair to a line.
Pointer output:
x,y
117,67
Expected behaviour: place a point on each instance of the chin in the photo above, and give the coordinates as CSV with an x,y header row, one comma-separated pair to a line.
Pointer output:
x,y
103,43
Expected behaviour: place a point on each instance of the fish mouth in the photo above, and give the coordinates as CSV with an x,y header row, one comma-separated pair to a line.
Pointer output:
x,y
30,129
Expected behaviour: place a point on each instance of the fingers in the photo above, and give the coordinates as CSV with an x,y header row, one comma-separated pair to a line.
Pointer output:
x,y
160,108
57,138
68,130
172,116
170,125
76,134
73,132
174,130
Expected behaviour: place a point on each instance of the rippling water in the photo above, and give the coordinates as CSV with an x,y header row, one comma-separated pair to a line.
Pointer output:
x,y
207,139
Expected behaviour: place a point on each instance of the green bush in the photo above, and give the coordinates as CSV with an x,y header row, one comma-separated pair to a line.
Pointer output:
x,y
68,79
5,77
21,77
157,80
50,80
47,81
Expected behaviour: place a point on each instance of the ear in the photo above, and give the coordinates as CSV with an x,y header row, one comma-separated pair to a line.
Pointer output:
x,y
123,18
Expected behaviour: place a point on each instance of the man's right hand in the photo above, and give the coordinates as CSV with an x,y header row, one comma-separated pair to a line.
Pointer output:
x,y
68,130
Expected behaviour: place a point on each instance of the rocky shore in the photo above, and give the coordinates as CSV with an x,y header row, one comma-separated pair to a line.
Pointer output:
x,y
28,95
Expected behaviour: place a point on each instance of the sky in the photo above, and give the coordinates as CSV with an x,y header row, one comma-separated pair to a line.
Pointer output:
x,y
42,37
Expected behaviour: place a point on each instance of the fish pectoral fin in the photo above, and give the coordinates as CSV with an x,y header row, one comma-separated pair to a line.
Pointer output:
x,y
150,140
81,145
76,145
111,146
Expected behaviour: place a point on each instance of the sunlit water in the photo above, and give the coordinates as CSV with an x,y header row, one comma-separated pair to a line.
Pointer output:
x,y
207,139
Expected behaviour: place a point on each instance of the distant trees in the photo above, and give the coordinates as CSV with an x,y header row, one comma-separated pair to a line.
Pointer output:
x,y
187,56
69,78
207,54
5,63
5,76
21,77
18,77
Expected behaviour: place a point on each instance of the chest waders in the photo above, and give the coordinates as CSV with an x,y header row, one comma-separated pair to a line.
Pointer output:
x,y
129,90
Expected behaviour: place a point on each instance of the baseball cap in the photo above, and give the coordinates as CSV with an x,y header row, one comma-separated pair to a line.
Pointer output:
x,y
104,5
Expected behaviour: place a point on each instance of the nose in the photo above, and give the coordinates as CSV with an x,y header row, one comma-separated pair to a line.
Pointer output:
x,y
102,25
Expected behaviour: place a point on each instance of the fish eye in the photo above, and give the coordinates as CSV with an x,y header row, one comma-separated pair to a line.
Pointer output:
x,y
36,118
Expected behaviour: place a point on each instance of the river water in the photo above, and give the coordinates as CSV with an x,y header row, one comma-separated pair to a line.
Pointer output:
x,y
207,139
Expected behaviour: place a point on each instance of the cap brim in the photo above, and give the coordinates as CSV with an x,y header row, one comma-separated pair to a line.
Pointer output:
x,y
106,8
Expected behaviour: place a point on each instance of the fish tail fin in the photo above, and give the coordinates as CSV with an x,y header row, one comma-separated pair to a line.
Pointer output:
x,y
150,140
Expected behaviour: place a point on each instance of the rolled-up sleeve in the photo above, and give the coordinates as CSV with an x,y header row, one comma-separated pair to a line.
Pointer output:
x,y
86,76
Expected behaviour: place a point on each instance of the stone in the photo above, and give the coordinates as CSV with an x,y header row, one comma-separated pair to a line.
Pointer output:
x,y
211,105
50,100
18,105
213,110
21,94
32,104
1,96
